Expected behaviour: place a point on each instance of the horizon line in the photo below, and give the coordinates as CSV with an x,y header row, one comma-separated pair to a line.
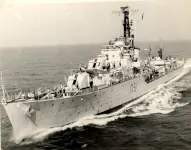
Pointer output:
x,y
96,43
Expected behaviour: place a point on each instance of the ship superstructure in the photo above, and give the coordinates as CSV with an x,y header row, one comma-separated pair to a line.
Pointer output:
x,y
115,77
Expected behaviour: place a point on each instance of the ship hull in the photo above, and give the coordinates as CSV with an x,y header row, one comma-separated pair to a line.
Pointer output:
x,y
59,112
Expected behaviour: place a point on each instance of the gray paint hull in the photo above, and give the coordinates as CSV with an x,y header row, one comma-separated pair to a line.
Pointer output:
x,y
59,112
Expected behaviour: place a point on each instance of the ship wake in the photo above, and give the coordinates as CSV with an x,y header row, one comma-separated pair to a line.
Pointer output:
x,y
163,100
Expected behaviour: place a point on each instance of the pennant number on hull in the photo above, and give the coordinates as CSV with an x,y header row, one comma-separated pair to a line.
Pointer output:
x,y
133,87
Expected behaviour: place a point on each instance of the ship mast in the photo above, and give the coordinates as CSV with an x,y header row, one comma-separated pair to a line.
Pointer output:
x,y
127,27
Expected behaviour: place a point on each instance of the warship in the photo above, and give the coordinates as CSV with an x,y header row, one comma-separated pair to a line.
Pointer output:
x,y
114,78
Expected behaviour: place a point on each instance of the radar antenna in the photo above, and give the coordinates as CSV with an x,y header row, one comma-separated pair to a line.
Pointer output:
x,y
127,24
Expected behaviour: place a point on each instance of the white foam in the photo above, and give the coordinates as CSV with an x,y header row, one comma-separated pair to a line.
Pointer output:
x,y
163,102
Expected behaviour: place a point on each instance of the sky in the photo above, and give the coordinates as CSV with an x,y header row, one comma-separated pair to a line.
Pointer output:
x,y
59,22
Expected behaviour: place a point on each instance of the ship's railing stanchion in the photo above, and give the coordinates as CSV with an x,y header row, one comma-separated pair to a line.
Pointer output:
x,y
4,91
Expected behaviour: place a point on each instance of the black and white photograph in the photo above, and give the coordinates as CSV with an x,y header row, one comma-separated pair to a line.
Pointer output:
x,y
95,74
